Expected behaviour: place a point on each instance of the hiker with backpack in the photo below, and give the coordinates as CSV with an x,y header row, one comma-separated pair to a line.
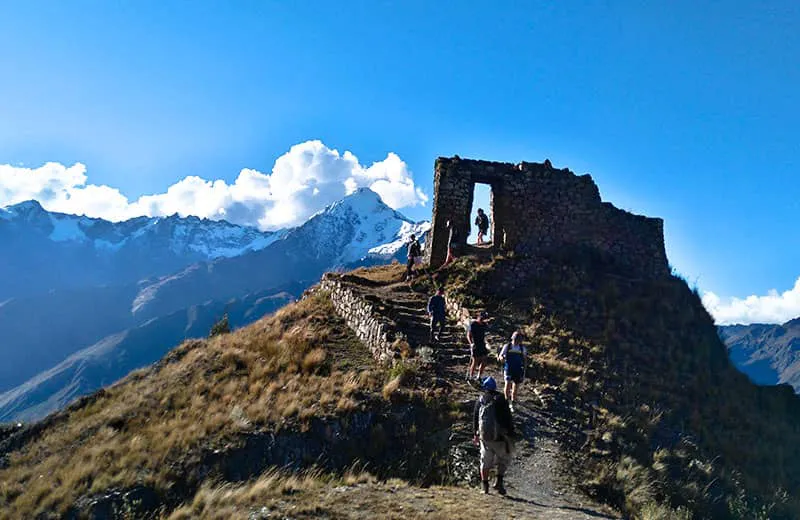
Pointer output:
x,y
482,221
437,310
514,357
493,428
414,256
478,351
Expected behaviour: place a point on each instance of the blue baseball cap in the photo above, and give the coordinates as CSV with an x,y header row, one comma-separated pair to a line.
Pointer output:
x,y
489,383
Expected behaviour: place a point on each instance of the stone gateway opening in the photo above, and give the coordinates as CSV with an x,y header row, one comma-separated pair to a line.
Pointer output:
x,y
535,208
482,199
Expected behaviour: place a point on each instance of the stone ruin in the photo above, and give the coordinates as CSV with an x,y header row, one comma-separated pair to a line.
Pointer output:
x,y
536,208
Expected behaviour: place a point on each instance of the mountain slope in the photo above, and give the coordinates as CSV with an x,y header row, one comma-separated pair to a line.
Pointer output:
x,y
660,423
359,228
51,337
117,355
42,330
46,250
768,354
291,390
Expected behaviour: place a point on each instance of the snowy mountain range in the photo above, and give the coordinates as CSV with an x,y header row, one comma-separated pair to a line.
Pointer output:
x,y
55,250
75,290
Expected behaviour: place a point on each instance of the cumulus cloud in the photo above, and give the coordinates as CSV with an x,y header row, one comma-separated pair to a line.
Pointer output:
x,y
302,182
774,307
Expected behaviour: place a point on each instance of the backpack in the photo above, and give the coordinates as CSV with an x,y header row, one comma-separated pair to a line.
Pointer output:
x,y
488,427
415,249
515,360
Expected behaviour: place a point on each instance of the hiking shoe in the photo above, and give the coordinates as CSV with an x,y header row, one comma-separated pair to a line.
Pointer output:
x,y
486,487
499,486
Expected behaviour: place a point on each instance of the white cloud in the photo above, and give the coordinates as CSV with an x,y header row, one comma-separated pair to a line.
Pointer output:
x,y
773,308
303,181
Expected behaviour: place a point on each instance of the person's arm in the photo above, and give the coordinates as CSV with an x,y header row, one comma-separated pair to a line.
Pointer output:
x,y
475,413
430,301
503,352
469,334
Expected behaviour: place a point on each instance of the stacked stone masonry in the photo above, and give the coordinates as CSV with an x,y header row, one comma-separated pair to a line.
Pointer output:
x,y
374,330
536,208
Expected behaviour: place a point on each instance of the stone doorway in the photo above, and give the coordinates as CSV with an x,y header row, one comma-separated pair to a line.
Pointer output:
x,y
482,198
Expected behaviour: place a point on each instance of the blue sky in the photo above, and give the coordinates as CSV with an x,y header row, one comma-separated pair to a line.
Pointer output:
x,y
684,110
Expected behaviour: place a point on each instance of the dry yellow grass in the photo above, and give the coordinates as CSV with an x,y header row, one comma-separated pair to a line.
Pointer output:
x,y
356,496
279,371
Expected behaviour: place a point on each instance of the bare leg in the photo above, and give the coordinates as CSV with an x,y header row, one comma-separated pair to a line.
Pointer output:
x,y
471,367
506,389
513,391
481,365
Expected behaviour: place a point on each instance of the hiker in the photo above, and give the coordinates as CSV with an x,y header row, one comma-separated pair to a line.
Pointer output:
x,y
494,429
437,310
414,256
479,352
453,247
514,357
482,221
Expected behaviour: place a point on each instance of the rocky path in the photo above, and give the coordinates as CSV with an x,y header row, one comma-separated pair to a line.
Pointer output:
x,y
535,479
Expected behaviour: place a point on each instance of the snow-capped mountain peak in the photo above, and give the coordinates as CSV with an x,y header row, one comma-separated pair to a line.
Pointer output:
x,y
360,225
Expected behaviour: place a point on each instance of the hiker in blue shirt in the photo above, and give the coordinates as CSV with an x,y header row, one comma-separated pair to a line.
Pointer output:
x,y
514,357
437,310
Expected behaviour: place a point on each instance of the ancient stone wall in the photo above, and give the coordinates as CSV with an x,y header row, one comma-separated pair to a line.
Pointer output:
x,y
374,330
536,208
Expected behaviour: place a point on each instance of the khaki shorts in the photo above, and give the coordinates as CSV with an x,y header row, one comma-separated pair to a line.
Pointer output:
x,y
495,454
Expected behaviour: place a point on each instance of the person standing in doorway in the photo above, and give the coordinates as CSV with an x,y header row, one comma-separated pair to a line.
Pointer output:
x,y
482,221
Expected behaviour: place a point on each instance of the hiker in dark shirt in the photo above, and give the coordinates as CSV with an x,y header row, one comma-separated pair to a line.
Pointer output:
x,y
414,256
437,310
482,221
493,428
479,352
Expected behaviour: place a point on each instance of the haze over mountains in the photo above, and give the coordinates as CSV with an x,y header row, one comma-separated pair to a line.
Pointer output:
x,y
84,301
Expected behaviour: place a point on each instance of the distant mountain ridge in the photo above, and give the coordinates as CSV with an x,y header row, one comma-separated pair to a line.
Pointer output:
x,y
768,354
66,339
50,250
358,230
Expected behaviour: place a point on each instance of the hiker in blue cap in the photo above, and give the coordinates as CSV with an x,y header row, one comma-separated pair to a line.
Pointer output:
x,y
494,428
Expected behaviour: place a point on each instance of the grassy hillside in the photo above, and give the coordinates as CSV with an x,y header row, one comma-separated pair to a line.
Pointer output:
x,y
650,414
661,420
291,390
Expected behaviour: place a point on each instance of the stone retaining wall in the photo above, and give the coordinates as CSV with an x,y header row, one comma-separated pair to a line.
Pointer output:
x,y
375,331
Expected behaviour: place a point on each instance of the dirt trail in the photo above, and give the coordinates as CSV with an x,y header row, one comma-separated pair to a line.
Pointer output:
x,y
535,479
